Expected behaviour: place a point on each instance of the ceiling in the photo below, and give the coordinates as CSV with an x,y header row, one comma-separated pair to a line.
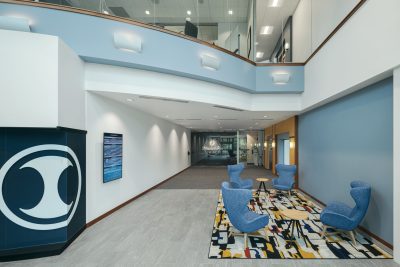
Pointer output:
x,y
201,116
175,11
271,16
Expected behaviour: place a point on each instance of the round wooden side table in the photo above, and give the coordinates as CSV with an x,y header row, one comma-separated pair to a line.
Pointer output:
x,y
262,182
295,216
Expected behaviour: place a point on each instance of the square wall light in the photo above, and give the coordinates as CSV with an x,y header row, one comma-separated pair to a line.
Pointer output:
x,y
14,24
210,62
280,78
127,42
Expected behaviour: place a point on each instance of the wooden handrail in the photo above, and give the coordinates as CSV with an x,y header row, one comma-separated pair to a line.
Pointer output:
x,y
180,35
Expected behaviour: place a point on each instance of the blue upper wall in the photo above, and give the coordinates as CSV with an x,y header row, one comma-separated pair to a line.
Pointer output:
x,y
351,139
92,39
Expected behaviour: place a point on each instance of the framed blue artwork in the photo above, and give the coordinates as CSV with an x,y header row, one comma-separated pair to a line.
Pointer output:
x,y
112,157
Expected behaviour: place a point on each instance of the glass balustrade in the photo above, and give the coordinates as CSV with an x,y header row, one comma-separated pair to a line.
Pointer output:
x,y
264,31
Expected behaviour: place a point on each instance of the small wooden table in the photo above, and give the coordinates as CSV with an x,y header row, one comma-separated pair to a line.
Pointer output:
x,y
262,182
295,216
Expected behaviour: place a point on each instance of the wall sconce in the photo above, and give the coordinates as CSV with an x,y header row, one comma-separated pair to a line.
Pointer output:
x,y
209,62
273,143
292,142
127,42
14,24
280,78
265,144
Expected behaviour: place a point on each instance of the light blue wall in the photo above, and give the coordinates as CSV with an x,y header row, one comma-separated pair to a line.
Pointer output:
x,y
349,139
92,39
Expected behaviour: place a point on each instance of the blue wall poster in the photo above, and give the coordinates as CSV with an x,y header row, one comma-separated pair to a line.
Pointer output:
x,y
112,157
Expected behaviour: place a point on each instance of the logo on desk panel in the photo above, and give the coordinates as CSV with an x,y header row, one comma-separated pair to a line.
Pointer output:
x,y
33,176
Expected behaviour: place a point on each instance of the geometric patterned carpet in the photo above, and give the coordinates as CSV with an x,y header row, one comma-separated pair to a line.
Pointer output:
x,y
278,243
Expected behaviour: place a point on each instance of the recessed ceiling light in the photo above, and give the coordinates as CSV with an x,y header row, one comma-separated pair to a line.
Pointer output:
x,y
147,12
256,43
267,30
259,54
189,12
275,3
265,116
230,12
106,12
129,99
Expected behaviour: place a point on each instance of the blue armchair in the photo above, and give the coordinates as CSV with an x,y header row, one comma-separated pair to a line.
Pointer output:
x,y
285,181
234,172
241,217
340,216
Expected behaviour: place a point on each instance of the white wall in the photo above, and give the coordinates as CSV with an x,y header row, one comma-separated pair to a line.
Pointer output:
x,y
354,57
302,31
313,21
141,82
396,166
71,91
28,79
41,79
326,15
153,150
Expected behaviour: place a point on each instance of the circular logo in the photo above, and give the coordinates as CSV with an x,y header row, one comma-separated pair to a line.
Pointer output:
x,y
50,168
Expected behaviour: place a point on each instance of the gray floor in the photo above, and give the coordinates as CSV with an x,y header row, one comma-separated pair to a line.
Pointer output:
x,y
210,177
164,228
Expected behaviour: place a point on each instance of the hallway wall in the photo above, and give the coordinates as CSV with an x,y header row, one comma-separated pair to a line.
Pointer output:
x,y
153,150
351,139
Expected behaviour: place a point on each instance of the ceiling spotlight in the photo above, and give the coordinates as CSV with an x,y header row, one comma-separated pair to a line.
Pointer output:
x,y
265,116
189,12
230,12
259,54
147,12
129,99
266,30
106,12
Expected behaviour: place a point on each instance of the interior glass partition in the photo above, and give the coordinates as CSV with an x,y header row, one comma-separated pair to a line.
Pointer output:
x,y
264,31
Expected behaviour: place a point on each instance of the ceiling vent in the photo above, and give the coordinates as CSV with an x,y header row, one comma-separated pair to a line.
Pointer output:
x,y
163,99
229,108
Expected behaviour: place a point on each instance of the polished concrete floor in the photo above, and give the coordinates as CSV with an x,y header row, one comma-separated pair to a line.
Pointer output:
x,y
166,227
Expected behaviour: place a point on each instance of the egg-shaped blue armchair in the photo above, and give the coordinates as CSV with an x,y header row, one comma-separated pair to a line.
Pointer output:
x,y
285,180
234,172
342,217
242,218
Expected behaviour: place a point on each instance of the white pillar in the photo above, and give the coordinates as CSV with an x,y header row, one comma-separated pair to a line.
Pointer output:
x,y
396,164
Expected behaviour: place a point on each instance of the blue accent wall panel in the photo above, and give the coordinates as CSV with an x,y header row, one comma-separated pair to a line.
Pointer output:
x,y
348,139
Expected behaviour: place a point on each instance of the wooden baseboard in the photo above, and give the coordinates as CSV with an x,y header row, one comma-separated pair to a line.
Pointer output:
x,y
361,228
94,221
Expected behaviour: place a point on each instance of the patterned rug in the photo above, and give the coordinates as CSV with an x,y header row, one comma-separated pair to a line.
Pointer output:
x,y
278,244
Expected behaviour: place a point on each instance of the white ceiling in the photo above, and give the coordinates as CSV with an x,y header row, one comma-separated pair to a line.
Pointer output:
x,y
174,11
271,16
201,116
